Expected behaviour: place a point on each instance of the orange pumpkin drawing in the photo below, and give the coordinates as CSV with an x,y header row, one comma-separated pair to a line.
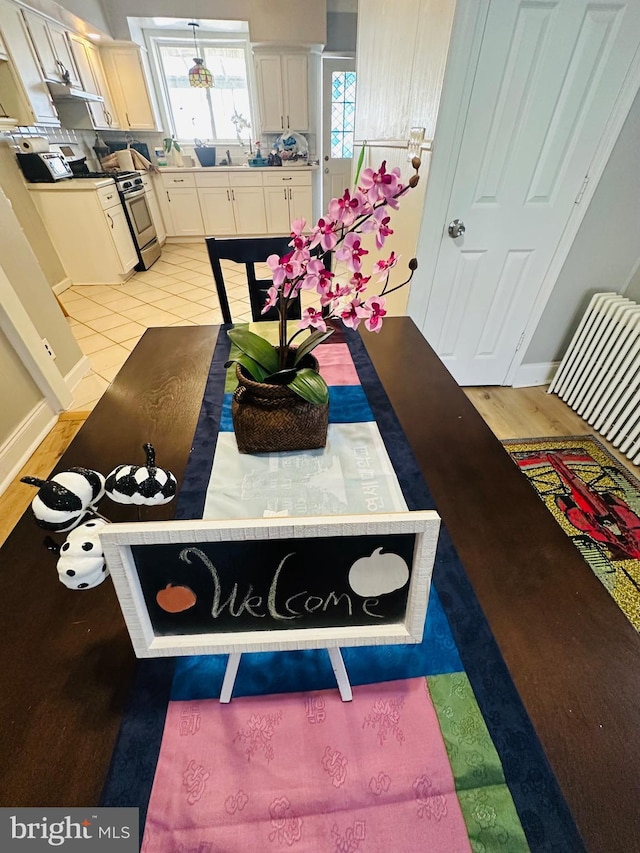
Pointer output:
x,y
175,599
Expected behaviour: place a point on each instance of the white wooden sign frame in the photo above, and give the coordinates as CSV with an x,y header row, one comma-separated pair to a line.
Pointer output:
x,y
118,539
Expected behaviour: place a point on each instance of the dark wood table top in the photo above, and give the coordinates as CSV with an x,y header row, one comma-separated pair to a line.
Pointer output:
x,y
66,662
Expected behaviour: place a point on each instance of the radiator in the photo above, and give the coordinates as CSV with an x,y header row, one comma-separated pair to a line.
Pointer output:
x,y
599,376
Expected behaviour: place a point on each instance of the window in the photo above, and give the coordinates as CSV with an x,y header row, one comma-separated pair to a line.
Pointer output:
x,y
343,108
221,114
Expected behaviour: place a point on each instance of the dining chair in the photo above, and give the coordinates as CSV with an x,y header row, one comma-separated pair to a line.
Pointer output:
x,y
248,251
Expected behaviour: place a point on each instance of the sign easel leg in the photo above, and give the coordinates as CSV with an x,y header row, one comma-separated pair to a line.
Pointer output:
x,y
233,662
340,672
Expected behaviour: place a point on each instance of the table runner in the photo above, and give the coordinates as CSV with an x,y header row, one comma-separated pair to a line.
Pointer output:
x,y
457,639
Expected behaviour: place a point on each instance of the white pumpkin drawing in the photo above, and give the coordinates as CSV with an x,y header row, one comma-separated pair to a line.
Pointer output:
x,y
378,574
81,564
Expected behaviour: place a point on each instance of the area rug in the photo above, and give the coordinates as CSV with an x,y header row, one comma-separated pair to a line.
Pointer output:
x,y
504,789
308,772
596,501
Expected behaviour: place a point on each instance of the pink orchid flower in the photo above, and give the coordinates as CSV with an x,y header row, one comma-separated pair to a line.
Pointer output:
x,y
271,300
359,282
379,225
315,275
324,235
380,185
351,251
330,296
283,268
349,314
312,319
375,311
346,209
384,265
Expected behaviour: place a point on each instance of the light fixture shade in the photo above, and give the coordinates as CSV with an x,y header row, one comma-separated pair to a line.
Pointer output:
x,y
199,76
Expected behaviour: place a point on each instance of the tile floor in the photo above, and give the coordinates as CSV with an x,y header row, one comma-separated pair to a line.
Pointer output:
x,y
178,290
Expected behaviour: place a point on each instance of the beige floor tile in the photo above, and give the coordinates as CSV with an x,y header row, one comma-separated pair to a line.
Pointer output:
x,y
170,302
182,274
158,295
177,287
113,354
184,322
191,264
110,296
188,310
210,301
87,391
110,321
204,268
203,280
131,343
209,317
194,294
125,304
150,316
125,332
138,289
94,344
110,373
70,295
81,331
163,267
148,276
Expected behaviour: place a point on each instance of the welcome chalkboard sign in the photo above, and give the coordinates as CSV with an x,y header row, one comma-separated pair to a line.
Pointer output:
x,y
197,587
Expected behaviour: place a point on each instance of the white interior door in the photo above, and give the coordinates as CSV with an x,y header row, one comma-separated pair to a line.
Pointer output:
x,y
543,91
338,122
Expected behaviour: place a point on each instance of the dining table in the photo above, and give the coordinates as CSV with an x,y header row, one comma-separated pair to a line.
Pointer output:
x,y
66,660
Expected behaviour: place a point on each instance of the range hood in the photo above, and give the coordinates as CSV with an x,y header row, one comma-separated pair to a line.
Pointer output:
x,y
66,92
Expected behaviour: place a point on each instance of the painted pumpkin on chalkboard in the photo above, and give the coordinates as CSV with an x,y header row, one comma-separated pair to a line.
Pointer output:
x,y
64,499
145,485
81,564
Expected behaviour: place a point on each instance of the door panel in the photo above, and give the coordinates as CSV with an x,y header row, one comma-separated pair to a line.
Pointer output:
x,y
546,81
338,93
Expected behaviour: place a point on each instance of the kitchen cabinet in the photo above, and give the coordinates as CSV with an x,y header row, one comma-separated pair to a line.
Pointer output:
x,y
287,197
93,79
126,75
88,228
52,47
154,209
231,203
283,91
23,91
183,206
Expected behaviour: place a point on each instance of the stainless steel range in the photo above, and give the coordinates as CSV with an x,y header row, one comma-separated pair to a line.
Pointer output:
x,y
133,197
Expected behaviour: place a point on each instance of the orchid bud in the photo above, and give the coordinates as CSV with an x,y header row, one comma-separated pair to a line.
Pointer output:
x,y
416,163
413,264
413,181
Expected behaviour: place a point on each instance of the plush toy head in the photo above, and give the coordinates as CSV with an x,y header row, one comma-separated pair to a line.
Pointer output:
x,y
145,485
81,564
64,499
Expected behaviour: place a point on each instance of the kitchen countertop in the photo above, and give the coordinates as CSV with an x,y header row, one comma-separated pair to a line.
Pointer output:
x,y
245,168
75,184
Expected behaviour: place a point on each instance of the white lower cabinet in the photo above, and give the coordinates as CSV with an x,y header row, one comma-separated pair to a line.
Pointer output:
x,y
218,203
88,229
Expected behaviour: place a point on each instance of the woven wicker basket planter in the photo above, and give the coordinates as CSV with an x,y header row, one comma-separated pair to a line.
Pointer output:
x,y
272,418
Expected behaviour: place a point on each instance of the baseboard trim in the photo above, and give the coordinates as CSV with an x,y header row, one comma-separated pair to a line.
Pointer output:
x,y
78,372
528,375
17,449
61,286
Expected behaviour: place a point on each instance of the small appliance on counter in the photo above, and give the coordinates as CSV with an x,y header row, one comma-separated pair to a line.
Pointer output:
x,y
38,164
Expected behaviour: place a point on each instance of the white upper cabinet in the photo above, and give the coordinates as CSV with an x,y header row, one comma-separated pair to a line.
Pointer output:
x,y
93,79
283,91
53,49
23,91
127,78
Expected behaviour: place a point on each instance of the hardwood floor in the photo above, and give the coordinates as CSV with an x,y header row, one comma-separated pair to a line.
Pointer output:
x,y
509,412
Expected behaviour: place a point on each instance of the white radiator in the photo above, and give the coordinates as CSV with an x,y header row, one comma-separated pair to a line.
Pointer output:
x,y
599,376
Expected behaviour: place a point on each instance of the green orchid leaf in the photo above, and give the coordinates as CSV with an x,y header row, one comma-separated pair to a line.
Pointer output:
x,y
310,386
256,348
359,166
281,377
311,343
255,370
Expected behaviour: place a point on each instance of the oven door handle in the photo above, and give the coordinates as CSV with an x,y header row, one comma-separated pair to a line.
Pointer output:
x,y
131,195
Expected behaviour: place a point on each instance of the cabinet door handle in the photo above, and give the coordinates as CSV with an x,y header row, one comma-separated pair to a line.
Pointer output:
x,y
233,195
286,179
168,196
282,122
289,193
109,197
228,196
178,180
110,219
288,121
127,118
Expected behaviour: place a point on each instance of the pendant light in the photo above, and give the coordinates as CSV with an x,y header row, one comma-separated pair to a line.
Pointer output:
x,y
199,76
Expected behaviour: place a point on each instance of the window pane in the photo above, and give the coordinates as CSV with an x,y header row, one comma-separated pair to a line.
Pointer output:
x,y
343,98
206,113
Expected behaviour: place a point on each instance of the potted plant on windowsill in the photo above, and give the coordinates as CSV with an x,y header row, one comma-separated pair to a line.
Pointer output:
x,y
281,402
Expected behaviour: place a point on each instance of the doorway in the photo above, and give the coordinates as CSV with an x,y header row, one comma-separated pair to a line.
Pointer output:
x,y
338,124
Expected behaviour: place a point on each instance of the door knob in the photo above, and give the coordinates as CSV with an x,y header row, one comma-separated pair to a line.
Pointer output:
x,y
326,171
456,228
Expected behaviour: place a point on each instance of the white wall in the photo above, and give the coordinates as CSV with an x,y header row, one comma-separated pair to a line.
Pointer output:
x,y
606,252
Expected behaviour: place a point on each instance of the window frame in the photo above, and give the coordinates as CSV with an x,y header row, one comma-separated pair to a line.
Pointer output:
x,y
155,39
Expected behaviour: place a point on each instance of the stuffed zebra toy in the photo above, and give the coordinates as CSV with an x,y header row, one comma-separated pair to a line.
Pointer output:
x,y
64,500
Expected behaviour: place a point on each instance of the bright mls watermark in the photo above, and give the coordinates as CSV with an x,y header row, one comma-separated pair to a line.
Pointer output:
x,y
100,829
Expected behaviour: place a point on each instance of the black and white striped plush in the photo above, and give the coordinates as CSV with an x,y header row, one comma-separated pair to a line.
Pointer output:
x,y
64,499
143,485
